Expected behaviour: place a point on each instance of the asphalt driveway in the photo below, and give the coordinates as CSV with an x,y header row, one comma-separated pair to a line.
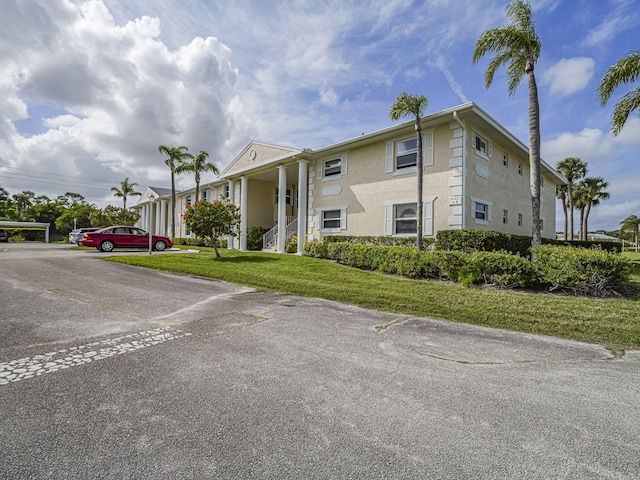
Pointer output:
x,y
110,371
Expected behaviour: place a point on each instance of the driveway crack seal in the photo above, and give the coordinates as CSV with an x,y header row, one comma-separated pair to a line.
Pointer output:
x,y
398,321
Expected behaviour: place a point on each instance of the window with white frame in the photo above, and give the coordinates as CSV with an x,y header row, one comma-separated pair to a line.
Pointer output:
x,y
405,219
226,191
406,153
519,219
481,211
204,195
188,200
520,168
505,217
505,160
332,219
482,147
332,167
288,198
542,224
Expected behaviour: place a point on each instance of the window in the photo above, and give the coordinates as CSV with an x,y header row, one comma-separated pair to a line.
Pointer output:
x,y
331,219
204,195
505,160
541,181
288,198
480,144
520,168
188,201
481,211
505,217
332,167
542,224
225,189
405,219
519,219
406,153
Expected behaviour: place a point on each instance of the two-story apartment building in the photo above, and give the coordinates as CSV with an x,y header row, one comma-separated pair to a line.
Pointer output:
x,y
476,175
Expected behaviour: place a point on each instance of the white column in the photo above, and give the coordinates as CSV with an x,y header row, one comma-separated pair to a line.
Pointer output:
x,y
232,197
156,228
303,176
282,208
244,193
163,217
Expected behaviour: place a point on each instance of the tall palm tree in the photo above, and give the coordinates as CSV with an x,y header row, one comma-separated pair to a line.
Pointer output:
x,y
631,224
591,192
175,157
407,105
198,164
517,47
561,194
572,168
626,70
126,190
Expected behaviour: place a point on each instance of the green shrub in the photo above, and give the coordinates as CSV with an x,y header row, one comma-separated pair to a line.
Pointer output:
x,y
482,241
292,245
386,241
254,237
582,271
199,242
315,249
501,269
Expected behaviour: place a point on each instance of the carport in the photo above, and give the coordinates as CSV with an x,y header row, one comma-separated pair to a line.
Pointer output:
x,y
27,226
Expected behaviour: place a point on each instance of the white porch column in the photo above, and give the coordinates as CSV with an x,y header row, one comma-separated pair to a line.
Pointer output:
x,y
244,193
163,217
156,228
232,197
282,208
145,216
303,177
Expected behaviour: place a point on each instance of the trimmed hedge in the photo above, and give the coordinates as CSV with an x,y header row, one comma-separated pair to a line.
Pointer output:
x,y
388,241
199,242
580,271
587,272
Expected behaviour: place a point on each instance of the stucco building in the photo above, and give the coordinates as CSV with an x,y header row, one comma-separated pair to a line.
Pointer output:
x,y
476,175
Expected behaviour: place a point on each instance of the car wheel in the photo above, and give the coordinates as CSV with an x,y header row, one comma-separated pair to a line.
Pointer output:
x,y
160,245
107,246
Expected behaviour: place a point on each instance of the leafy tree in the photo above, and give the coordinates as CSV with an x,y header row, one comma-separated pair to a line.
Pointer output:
x,y
111,215
70,199
126,190
572,168
407,105
7,210
78,215
626,70
212,220
22,201
517,47
631,224
175,157
198,164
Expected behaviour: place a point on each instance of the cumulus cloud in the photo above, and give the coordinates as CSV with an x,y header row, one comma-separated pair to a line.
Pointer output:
x,y
569,75
120,90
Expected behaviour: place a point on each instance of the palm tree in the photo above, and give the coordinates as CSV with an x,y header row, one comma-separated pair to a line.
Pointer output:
x,y
624,71
413,105
22,201
198,165
176,155
572,168
561,194
590,192
631,224
126,190
517,47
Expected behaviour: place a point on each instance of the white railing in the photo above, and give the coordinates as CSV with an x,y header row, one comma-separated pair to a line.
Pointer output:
x,y
271,237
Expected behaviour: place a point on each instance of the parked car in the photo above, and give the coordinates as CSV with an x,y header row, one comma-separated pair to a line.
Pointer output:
x,y
123,236
4,236
77,233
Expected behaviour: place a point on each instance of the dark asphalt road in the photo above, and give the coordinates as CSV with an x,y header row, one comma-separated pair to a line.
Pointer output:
x,y
111,372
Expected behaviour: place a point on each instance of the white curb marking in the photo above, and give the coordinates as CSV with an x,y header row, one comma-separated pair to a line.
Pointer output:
x,y
29,367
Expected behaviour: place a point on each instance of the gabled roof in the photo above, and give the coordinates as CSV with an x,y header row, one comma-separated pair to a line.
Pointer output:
x,y
285,152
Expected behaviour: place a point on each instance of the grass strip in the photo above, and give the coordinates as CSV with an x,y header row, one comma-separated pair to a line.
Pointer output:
x,y
614,323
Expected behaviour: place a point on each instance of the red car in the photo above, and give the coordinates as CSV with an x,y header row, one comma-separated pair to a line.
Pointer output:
x,y
122,236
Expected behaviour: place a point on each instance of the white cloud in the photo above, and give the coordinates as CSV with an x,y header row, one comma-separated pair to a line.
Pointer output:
x,y
569,75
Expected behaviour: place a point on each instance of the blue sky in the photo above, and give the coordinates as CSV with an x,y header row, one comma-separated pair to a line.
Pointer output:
x,y
91,88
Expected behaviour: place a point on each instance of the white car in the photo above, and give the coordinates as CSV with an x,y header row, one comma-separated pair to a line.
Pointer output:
x,y
77,233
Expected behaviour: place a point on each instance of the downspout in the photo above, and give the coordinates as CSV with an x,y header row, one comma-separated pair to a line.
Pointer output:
x,y
464,169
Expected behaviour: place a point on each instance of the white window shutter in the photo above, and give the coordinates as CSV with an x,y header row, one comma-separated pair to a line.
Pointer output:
x,y
490,208
343,218
344,164
390,162
490,150
427,139
427,218
320,167
388,227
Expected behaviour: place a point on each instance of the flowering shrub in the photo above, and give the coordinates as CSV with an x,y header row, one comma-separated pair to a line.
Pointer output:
x,y
212,220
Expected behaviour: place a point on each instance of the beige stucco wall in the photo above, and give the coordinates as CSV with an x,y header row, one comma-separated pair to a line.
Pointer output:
x,y
261,199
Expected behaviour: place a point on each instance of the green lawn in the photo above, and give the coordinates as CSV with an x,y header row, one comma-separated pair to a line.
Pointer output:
x,y
614,323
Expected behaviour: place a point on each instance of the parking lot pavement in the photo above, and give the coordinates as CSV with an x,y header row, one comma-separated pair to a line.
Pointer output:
x,y
210,380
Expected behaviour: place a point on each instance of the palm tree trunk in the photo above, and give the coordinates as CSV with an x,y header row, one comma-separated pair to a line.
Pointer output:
x,y
173,204
566,218
534,156
420,168
586,221
570,193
